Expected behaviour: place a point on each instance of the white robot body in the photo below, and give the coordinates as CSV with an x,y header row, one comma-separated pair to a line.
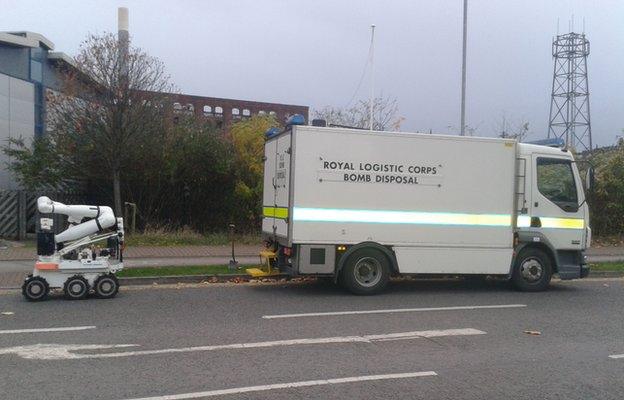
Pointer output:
x,y
70,260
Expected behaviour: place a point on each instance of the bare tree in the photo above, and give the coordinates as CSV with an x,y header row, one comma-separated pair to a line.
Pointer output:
x,y
111,107
509,128
358,116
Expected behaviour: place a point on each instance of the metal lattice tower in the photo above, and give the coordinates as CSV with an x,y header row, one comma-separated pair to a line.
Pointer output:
x,y
569,106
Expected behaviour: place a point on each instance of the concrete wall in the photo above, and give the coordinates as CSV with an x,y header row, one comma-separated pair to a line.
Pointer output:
x,y
17,119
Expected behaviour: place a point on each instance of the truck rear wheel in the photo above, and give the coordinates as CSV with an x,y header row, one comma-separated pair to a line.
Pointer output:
x,y
366,271
532,270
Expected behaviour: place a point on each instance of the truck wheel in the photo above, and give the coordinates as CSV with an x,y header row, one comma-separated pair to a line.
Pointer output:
x,y
76,288
366,271
106,286
35,288
532,270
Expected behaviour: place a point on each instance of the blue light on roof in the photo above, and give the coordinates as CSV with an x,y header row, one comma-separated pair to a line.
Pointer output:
x,y
551,142
271,132
295,119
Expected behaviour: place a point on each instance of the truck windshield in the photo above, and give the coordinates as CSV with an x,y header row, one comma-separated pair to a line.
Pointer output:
x,y
555,180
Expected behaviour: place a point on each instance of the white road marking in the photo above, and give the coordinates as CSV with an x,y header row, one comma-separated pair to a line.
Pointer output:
x,y
37,330
392,311
66,352
260,388
617,356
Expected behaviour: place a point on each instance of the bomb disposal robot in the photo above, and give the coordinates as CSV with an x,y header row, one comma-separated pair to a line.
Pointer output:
x,y
71,260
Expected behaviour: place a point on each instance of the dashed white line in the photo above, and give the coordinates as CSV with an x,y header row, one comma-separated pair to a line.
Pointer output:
x,y
289,385
67,351
392,311
38,330
616,356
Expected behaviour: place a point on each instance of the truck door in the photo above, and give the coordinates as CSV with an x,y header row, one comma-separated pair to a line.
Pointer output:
x,y
268,191
282,185
556,195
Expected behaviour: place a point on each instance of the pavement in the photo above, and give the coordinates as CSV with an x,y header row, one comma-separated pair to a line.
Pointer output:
x,y
417,340
17,262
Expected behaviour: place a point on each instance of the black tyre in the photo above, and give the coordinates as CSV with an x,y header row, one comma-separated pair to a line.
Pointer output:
x,y
532,270
76,288
366,271
106,286
35,288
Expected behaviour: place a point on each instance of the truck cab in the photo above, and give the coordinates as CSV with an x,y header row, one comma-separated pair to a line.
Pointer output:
x,y
552,210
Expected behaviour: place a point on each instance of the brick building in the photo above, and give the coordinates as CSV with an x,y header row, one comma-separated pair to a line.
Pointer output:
x,y
226,111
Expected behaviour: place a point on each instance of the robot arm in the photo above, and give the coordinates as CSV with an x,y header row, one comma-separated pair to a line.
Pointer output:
x,y
101,218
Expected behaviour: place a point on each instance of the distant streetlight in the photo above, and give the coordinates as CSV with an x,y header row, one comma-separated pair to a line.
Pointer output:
x,y
372,60
463,89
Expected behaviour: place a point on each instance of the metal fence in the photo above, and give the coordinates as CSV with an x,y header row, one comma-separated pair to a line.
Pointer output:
x,y
19,215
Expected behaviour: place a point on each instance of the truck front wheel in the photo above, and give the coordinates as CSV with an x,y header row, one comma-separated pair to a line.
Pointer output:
x,y
366,271
532,270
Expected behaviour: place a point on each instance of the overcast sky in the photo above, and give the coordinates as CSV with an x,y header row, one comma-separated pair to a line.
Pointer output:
x,y
313,52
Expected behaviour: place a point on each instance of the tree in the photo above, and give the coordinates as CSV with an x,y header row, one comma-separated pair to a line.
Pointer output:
x,y
34,165
248,141
358,116
111,109
607,198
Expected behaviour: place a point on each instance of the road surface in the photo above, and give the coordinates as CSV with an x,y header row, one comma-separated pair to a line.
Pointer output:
x,y
418,340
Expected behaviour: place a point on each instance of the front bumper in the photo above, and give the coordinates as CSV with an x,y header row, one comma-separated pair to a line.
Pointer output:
x,y
585,270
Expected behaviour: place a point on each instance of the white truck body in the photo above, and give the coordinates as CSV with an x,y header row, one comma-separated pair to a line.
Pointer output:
x,y
439,204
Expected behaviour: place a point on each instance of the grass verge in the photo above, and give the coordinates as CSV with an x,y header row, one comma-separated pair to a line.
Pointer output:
x,y
182,270
607,266
187,237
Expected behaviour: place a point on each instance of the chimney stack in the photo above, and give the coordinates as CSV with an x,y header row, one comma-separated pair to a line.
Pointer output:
x,y
122,20
123,38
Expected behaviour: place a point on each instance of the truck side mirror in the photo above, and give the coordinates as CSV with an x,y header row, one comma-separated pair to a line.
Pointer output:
x,y
589,179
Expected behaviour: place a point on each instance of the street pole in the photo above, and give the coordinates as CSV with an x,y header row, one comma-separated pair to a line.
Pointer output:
x,y
463,89
372,94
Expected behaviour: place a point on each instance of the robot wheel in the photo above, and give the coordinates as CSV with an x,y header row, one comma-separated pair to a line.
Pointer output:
x,y
76,287
35,288
106,286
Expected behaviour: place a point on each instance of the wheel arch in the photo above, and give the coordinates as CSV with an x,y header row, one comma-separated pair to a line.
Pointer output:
x,y
388,253
536,245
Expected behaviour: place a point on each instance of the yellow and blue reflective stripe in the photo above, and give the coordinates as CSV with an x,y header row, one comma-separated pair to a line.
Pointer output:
x,y
399,217
275,212
524,221
426,218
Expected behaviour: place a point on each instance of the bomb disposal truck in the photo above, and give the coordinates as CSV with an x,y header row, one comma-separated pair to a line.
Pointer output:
x,y
362,206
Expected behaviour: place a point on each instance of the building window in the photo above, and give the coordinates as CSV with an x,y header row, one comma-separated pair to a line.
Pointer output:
x,y
261,112
177,107
207,110
36,68
272,113
246,113
235,111
190,108
36,71
218,110
39,107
